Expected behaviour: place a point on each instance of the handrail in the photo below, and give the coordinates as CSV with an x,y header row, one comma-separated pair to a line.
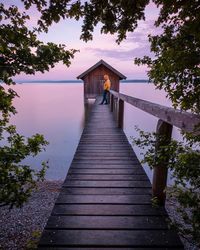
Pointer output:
x,y
168,117
181,119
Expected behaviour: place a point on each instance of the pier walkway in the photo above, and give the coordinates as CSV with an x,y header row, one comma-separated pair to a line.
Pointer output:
x,y
105,201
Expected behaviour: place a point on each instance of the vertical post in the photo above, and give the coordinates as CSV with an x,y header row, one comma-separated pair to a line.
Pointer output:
x,y
120,117
85,100
111,102
108,97
164,130
115,108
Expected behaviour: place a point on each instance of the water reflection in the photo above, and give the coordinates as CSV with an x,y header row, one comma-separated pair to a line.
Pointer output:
x,y
88,103
57,111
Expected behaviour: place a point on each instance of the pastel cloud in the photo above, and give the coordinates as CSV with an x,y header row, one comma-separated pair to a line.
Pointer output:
x,y
123,55
135,45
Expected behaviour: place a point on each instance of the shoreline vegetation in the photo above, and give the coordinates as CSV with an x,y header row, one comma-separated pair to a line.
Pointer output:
x,y
21,228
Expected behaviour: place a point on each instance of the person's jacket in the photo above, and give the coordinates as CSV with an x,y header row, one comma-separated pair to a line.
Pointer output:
x,y
107,85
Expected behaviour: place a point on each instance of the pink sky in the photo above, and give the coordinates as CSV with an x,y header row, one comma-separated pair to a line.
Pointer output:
x,y
103,47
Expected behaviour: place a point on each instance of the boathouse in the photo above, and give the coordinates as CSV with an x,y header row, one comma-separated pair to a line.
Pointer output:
x,y
93,79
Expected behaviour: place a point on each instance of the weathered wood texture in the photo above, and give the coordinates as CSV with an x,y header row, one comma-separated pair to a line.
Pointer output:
x,y
164,131
183,120
105,201
120,117
93,81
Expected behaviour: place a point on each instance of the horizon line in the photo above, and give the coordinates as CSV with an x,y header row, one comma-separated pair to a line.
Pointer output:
x,y
73,80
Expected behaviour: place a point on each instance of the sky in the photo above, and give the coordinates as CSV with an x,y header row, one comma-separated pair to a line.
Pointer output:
x,y
102,46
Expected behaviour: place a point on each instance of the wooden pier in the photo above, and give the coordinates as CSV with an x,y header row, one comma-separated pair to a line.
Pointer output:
x,y
105,201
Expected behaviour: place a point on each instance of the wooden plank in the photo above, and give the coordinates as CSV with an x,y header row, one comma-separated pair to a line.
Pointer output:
x,y
104,199
104,138
111,238
103,144
105,190
108,161
106,222
104,152
108,148
108,165
118,137
107,177
105,248
108,209
98,161
105,158
105,171
86,183
111,146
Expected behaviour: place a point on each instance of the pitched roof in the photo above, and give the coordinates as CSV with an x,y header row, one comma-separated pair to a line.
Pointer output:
x,y
102,62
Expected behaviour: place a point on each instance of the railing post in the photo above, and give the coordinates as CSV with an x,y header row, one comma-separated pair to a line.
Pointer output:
x,y
164,130
111,102
108,98
115,109
120,116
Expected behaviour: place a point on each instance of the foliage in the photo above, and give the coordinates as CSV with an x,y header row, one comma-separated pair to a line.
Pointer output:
x,y
20,52
176,65
17,180
33,242
114,16
184,163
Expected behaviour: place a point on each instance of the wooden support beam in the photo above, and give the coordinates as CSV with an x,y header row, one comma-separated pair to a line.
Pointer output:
x,y
115,108
111,102
120,116
164,130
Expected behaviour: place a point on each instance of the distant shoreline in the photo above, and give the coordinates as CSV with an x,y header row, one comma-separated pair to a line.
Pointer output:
x,y
77,81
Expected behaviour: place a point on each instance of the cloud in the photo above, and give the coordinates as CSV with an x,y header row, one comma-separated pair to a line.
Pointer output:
x,y
135,45
126,55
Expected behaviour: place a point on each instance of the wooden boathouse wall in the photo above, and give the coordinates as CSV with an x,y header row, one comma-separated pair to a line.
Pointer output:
x,y
93,79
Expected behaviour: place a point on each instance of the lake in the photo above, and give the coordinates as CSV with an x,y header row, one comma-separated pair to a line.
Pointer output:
x,y
57,111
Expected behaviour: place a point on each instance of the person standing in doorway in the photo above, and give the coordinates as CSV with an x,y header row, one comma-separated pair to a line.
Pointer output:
x,y
106,88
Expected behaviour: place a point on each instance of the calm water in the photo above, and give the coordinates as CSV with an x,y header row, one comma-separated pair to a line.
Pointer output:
x,y
57,111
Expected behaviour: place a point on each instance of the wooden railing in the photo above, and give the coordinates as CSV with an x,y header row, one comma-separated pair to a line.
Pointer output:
x,y
168,117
